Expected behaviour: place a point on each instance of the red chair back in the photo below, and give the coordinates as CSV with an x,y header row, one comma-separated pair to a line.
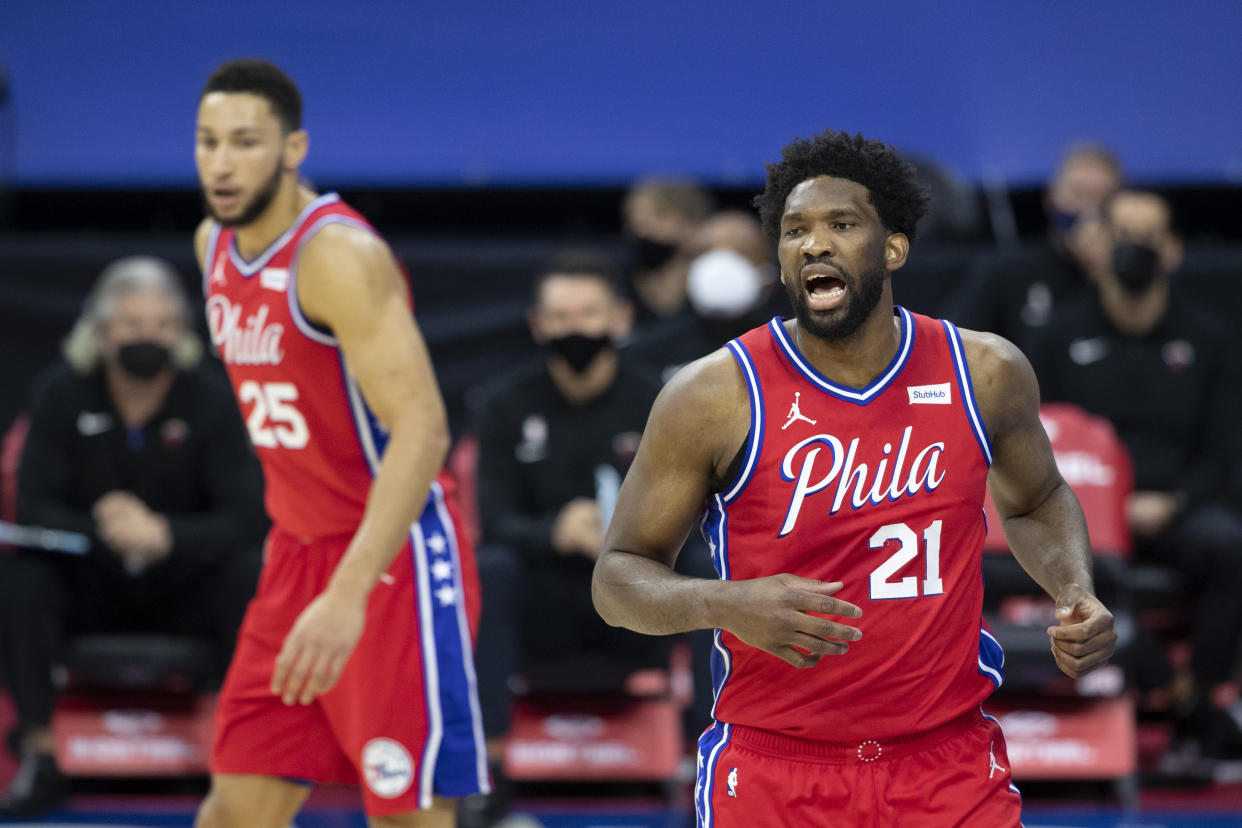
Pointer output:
x,y
1096,465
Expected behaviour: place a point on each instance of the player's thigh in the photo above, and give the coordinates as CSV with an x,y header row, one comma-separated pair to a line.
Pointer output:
x,y
441,814
253,801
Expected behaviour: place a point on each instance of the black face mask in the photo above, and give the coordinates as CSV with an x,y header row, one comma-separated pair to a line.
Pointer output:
x,y
143,360
650,254
578,350
1136,266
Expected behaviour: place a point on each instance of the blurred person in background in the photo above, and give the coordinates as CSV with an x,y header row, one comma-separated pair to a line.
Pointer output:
x,y
1014,293
555,440
731,287
136,446
1160,368
659,217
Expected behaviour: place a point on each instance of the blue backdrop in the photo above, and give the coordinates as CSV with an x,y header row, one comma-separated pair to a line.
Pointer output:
x,y
538,92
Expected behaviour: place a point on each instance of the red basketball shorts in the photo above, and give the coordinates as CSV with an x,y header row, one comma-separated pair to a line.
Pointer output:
x,y
955,775
403,720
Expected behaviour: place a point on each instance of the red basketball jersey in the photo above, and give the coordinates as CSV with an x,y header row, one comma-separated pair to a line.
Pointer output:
x,y
881,488
317,439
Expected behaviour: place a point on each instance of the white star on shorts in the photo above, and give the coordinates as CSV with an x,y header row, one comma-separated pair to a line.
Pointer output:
x,y
442,570
446,595
436,543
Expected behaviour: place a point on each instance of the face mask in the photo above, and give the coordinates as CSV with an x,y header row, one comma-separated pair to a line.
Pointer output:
x,y
143,360
650,254
1136,266
579,350
723,283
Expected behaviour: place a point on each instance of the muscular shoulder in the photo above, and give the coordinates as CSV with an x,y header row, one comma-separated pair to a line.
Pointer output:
x,y
706,404
1004,384
342,248
346,271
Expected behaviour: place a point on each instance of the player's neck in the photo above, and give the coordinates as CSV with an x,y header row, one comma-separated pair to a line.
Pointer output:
x,y
856,360
579,388
287,204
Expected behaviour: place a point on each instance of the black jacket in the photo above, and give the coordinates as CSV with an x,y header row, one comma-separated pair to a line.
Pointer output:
x,y
1171,394
537,452
192,462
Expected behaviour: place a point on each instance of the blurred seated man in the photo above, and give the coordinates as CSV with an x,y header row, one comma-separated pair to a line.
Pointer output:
x,y
135,446
660,216
555,440
1156,365
731,286
1014,292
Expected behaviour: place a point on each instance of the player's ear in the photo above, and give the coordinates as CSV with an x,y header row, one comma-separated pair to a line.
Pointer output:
x,y
896,248
297,144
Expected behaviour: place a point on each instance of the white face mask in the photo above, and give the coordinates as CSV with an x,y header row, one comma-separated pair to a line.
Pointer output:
x,y
722,283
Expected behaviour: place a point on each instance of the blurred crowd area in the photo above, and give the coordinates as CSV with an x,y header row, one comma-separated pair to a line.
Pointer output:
x,y
1121,296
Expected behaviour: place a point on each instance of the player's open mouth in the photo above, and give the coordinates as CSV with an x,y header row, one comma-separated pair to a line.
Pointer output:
x,y
224,198
825,289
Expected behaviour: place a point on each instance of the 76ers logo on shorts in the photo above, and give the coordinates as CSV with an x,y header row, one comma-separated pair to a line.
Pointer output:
x,y
387,767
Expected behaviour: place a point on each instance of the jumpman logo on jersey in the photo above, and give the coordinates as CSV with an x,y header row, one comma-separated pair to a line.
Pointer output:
x,y
992,760
796,414
217,274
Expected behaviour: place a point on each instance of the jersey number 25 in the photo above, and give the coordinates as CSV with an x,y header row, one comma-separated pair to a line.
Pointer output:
x,y
274,421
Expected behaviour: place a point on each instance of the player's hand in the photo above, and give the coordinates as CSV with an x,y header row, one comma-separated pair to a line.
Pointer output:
x,y
1085,638
579,529
773,614
317,647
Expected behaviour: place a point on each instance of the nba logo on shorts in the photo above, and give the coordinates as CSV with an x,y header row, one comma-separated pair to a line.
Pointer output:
x,y
732,781
387,767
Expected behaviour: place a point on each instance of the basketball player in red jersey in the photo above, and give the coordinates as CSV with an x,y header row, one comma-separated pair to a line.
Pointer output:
x,y
843,457
354,660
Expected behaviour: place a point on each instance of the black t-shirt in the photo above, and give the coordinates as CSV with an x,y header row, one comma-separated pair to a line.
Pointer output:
x,y
1015,293
192,462
1171,394
537,451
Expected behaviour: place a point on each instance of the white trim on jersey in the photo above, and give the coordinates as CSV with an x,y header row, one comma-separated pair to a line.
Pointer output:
x,y
463,629
250,268
755,438
308,328
859,396
710,786
968,389
359,408
991,671
431,670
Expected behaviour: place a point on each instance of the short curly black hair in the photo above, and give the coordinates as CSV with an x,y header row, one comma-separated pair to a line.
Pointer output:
x,y
892,187
265,79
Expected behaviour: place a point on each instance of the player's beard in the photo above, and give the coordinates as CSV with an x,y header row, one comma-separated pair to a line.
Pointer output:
x,y
863,294
261,201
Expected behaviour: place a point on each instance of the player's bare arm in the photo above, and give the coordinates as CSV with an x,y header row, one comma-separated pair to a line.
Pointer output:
x,y
349,282
697,425
1042,519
